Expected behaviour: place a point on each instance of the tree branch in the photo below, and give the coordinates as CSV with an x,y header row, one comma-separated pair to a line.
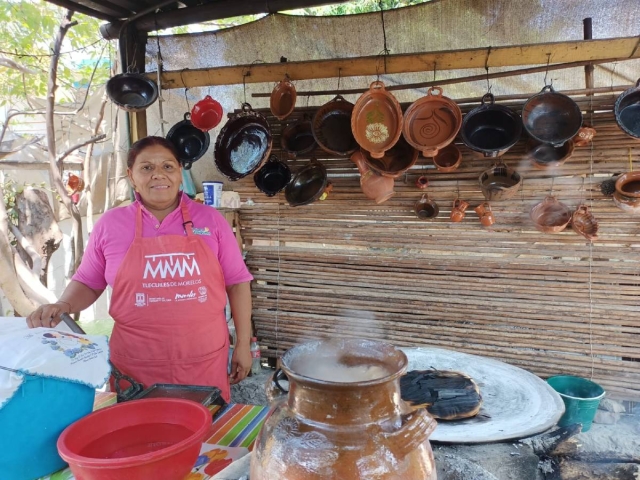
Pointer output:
x,y
7,62
36,259
67,152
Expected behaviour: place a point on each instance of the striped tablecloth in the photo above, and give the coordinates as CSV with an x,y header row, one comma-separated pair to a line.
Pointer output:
x,y
232,435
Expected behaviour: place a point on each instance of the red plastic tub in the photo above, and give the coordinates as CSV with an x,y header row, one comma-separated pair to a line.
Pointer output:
x,y
157,439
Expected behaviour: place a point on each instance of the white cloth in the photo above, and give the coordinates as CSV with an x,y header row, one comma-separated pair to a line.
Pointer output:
x,y
49,352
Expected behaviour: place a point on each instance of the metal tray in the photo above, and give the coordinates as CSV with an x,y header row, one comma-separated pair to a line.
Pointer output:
x,y
202,394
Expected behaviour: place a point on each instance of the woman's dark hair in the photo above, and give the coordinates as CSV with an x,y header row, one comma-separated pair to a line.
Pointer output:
x,y
146,142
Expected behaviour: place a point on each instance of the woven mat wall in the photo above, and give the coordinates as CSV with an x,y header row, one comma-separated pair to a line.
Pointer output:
x,y
550,303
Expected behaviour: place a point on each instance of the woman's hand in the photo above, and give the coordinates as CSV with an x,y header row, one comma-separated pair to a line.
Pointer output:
x,y
48,315
240,363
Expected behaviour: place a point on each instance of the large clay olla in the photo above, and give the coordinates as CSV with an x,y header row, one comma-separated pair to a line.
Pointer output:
x,y
627,111
348,422
375,186
431,122
243,144
332,127
627,192
551,117
376,121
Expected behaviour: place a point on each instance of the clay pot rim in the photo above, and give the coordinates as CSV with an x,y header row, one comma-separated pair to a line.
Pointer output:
x,y
375,347
278,92
415,109
627,178
377,88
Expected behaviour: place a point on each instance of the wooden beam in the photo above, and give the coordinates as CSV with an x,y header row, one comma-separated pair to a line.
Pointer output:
x,y
93,9
213,10
534,54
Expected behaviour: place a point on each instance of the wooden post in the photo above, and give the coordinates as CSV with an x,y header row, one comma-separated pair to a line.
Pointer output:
x,y
588,69
134,57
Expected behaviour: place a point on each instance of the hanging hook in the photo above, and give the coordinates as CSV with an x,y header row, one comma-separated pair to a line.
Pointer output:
x,y
486,67
434,72
457,188
339,77
547,71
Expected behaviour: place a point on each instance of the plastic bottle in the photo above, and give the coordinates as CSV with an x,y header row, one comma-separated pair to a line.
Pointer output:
x,y
256,368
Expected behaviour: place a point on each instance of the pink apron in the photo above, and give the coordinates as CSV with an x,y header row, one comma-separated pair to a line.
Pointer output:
x,y
168,305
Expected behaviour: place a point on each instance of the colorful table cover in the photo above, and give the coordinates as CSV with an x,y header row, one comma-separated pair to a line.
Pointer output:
x,y
232,435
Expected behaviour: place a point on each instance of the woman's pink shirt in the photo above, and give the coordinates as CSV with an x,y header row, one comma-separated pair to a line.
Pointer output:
x,y
113,234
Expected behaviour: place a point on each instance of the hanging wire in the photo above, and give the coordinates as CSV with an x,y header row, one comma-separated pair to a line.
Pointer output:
x,y
553,179
547,71
246,74
185,89
434,71
339,78
486,67
385,48
593,358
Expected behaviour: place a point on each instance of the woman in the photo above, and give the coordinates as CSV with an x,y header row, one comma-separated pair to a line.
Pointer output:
x,y
171,263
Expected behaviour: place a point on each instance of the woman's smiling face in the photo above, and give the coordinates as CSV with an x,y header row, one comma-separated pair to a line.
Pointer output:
x,y
156,175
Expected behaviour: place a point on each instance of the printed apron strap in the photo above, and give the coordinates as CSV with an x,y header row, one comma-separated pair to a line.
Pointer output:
x,y
186,220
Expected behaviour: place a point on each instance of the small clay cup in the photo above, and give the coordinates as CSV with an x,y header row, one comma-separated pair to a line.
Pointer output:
x,y
422,182
448,159
426,209
584,136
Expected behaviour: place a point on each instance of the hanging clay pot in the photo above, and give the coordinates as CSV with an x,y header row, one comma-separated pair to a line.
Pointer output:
x,y
206,114
376,121
551,117
332,127
426,209
431,122
297,138
627,194
627,111
448,159
584,223
283,99
397,160
550,215
374,186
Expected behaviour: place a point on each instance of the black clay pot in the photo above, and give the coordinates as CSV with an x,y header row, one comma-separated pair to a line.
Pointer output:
x,y
190,142
627,111
297,138
272,177
132,92
307,185
243,144
551,117
491,129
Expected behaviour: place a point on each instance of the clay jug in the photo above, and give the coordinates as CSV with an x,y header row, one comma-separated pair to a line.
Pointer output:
x,y
343,418
458,210
374,186
485,214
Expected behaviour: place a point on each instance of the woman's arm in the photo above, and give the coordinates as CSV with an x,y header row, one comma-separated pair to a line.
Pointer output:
x,y
240,302
76,297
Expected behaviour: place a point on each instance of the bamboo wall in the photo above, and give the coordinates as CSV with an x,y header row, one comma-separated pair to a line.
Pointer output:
x,y
550,303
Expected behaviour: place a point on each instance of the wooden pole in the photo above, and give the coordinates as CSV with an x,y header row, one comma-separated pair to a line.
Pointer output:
x,y
588,68
513,55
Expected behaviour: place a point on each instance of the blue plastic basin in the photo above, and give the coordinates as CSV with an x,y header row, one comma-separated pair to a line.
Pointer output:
x,y
32,421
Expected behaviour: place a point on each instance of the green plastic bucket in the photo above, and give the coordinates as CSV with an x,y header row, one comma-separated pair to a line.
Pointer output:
x,y
581,399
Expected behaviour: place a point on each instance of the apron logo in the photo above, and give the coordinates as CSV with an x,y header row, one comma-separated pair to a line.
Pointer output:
x,y
141,300
185,296
201,231
203,294
171,265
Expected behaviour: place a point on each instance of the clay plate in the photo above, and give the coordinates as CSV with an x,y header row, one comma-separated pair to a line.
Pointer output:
x,y
283,99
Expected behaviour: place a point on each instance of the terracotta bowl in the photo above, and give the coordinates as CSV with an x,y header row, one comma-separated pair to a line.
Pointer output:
x,y
448,159
397,160
283,99
376,121
550,215
500,182
545,155
431,122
